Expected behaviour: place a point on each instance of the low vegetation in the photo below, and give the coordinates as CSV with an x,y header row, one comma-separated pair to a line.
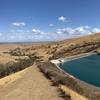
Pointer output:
x,y
55,51
17,52
58,77
75,49
20,64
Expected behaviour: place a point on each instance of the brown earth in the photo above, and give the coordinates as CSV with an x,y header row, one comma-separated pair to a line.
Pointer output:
x,y
33,85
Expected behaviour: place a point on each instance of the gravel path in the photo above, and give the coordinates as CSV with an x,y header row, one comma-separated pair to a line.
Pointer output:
x,y
31,86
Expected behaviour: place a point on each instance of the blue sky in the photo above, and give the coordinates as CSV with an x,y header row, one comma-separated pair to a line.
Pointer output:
x,y
47,20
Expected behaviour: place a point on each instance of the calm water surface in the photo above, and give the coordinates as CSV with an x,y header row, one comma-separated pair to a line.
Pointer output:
x,y
86,69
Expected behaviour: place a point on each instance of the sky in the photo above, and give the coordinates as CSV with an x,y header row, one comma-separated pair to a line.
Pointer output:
x,y
48,20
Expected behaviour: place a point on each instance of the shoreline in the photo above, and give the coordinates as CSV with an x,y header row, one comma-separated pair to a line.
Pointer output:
x,y
81,83
70,58
62,60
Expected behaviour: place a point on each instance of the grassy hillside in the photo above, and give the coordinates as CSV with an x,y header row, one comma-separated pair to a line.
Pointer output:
x,y
41,54
76,46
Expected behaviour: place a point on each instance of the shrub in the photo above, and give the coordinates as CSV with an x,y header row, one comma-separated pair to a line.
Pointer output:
x,y
12,67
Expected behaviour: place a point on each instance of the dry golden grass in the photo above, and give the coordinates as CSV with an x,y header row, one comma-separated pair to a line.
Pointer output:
x,y
31,76
11,78
29,84
73,94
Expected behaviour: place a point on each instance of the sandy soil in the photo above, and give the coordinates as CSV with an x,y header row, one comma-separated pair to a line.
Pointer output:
x,y
32,85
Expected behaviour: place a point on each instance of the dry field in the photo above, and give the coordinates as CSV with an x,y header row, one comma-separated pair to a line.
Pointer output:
x,y
30,84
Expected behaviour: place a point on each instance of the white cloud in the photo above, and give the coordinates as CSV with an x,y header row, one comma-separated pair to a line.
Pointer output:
x,y
95,30
79,29
73,32
38,35
62,18
18,24
51,25
28,31
87,27
70,30
37,31
90,33
65,31
16,31
0,34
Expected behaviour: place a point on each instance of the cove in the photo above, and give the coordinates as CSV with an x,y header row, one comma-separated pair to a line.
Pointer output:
x,y
86,69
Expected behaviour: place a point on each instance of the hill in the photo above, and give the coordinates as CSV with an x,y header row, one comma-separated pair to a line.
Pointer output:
x,y
17,57
76,46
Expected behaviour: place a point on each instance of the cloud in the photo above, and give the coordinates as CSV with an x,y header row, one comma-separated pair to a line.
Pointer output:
x,y
74,32
18,35
16,30
28,31
70,30
80,29
51,25
64,31
62,18
37,31
86,27
18,24
95,30
0,34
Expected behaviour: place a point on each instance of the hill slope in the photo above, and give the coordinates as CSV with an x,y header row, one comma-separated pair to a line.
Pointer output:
x,y
31,86
76,46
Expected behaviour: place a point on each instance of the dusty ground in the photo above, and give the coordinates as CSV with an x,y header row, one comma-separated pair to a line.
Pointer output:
x,y
32,85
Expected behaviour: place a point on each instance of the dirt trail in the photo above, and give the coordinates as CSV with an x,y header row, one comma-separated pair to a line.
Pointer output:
x,y
31,86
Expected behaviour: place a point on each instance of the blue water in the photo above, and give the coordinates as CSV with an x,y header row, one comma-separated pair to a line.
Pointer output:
x,y
86,69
